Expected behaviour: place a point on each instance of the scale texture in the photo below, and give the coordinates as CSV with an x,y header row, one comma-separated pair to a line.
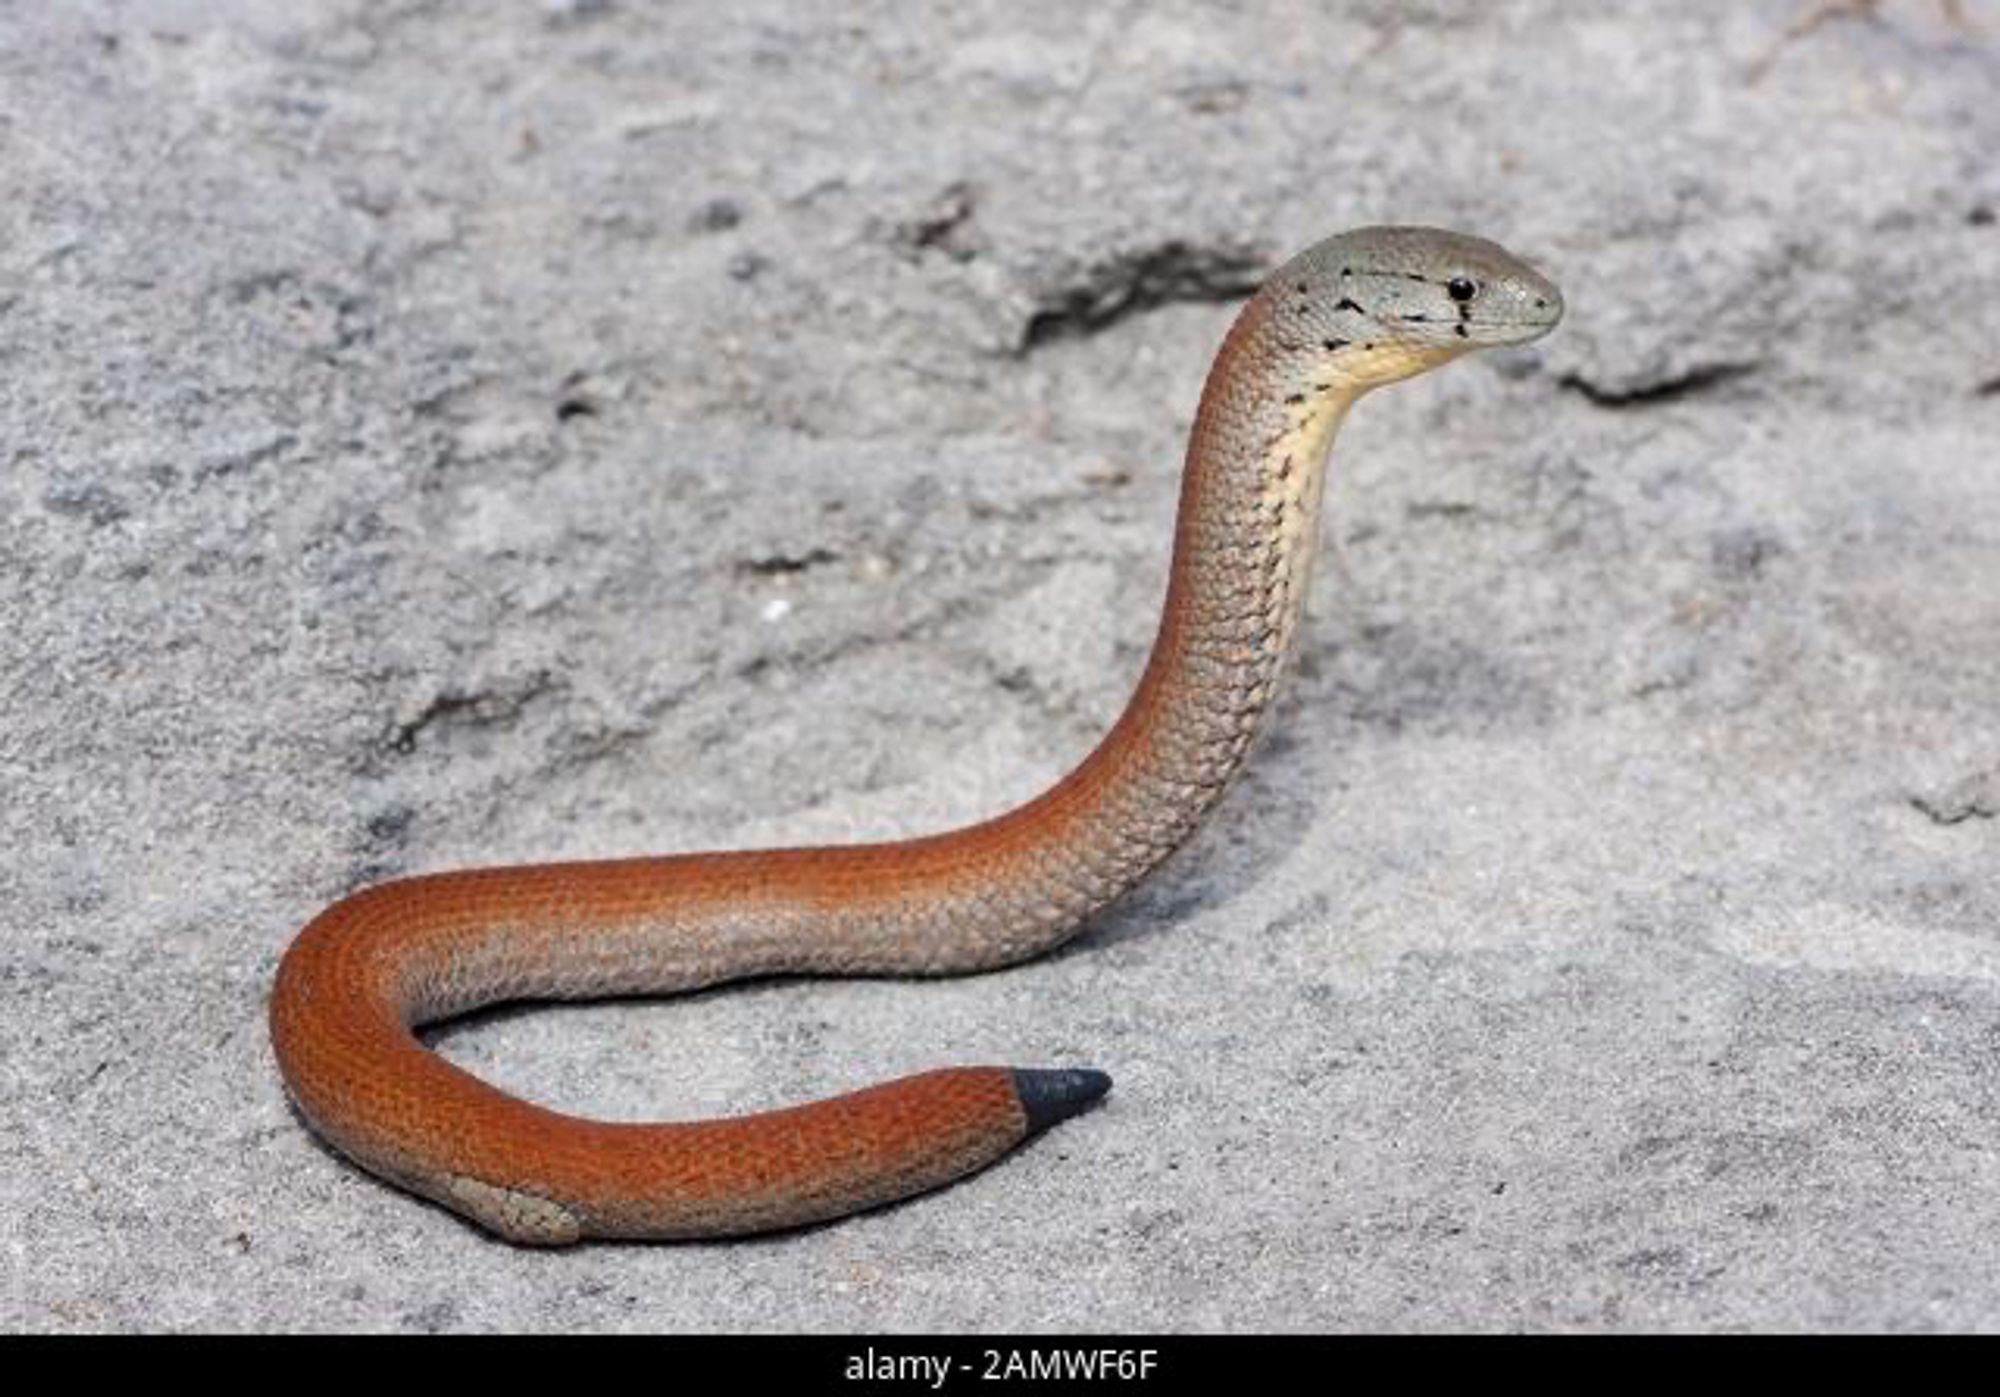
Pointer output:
x,y
1357,311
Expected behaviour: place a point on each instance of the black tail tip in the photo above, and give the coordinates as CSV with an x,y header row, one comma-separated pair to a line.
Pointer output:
x,y
1052,1094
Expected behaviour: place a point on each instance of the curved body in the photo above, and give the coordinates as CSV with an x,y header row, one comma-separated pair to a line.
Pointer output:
x,y
1354,312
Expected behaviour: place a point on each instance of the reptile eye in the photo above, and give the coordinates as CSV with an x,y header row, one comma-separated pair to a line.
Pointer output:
x,y
1460,289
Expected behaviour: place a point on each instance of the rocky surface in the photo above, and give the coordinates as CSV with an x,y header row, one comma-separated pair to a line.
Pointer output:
x,y
435,433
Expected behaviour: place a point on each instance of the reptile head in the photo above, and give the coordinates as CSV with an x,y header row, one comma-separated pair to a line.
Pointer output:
x,y
1387,302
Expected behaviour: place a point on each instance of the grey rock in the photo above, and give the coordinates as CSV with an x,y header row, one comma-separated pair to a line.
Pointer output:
x,y
405,463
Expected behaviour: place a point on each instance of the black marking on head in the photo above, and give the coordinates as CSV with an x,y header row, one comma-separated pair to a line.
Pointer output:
x,y
1461,331
1332,345
1417,316
1295,399
1304,289
1349,303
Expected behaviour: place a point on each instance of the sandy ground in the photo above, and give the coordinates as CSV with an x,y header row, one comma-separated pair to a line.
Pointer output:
x,y
443,433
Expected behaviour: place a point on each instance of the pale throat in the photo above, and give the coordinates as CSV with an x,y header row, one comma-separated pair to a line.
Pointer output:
x,y
1294,482
1295,461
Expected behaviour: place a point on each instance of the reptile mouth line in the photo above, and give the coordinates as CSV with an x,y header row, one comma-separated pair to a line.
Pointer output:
x,y
1527,329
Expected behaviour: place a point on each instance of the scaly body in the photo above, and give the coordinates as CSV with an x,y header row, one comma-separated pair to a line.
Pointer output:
x,y
1357,311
